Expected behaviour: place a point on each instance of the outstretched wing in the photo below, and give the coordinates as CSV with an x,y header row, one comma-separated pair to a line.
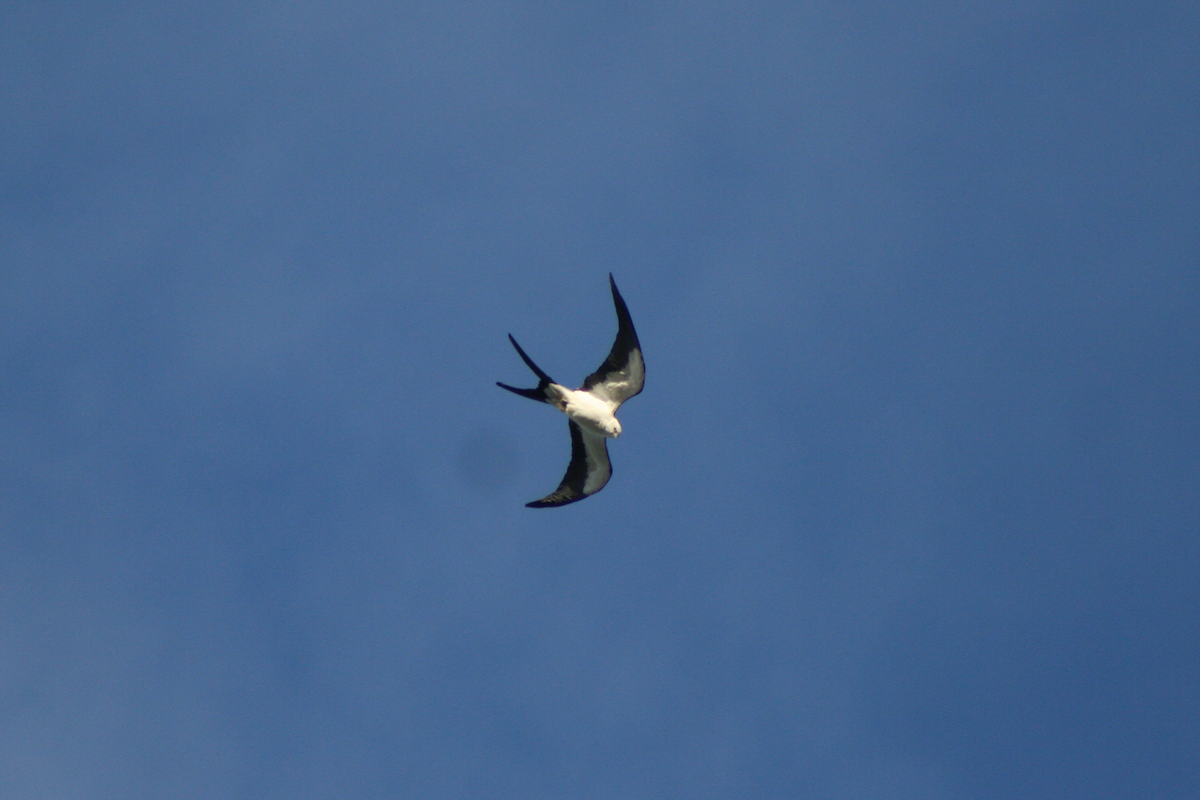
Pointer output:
x,y
587,473
623,373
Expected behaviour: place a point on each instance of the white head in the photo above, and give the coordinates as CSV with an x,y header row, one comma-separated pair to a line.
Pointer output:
x,y
612,428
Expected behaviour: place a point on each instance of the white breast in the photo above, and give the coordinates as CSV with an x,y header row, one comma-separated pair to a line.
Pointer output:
x,y
591,413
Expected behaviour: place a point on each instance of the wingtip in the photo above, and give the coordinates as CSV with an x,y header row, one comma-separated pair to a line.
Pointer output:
x,y
616,293
557,503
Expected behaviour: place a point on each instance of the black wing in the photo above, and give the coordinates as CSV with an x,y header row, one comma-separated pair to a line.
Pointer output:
x,y
623,373
587,473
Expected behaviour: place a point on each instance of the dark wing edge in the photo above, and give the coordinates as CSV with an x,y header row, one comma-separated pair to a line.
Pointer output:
x,y
623,373
587,473
544,380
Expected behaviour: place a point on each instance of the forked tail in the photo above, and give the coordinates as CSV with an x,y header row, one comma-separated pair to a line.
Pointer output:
x,y
544,380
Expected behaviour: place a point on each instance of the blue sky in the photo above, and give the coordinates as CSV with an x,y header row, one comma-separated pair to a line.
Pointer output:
x,y
907,509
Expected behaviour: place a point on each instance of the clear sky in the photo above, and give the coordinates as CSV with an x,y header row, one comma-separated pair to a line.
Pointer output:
x,y
909,507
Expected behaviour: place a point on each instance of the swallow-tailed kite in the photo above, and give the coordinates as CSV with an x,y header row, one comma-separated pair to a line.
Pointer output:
x,y
590,409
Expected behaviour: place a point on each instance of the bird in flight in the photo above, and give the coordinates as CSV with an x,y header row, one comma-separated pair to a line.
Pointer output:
x,y
591,409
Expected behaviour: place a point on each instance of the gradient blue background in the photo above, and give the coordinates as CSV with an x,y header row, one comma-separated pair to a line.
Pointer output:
x,y
909,507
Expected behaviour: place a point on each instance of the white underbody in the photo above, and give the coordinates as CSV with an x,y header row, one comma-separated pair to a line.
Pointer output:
x,y
586,410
